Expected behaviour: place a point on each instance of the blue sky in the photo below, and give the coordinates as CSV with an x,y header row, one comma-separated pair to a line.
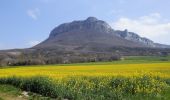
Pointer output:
x,y
24,23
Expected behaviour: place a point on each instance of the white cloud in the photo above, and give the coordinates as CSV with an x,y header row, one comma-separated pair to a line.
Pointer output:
x,y
152,26
33,13
33,43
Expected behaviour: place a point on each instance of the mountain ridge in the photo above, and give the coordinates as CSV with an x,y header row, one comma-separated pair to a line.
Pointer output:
x,y
92,26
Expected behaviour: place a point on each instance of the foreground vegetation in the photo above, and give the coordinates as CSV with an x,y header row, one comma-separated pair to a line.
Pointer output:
x,y
93,88
142,79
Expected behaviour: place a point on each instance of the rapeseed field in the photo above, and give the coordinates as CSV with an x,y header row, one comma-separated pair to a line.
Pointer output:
x,y
106,81
58,71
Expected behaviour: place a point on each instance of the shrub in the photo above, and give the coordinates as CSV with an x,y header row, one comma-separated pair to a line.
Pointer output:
x,y
89,87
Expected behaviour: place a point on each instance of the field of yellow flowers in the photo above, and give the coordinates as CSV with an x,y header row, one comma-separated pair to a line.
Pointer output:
x,y
100,81
59,71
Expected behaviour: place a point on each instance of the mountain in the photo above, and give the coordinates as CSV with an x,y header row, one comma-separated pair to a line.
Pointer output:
x,y
87,40
93,33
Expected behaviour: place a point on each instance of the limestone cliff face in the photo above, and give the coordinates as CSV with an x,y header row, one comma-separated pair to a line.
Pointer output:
x,y
135,37
90,23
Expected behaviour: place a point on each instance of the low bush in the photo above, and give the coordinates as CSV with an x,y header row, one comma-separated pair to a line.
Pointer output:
x,y
91,88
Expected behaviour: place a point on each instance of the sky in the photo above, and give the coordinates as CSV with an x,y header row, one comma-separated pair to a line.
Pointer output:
x,y
25,23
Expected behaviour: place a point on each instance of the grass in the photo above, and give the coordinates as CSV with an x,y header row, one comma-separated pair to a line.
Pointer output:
x,y
130,60
148,58
8,92
130,79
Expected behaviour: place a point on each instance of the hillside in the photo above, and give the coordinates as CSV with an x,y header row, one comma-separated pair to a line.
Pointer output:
x,y
89,40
